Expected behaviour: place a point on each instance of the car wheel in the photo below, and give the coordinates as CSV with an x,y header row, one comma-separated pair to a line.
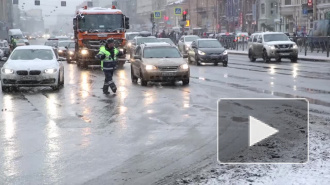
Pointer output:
x,y
57,86
265,56
294,60
197,61
189,59
62,83
251,57
68,61
133,77
225,64
215,63
185,82
84,65
143,82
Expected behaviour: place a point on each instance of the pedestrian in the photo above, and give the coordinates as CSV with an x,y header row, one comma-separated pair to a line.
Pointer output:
x,y
108,55
13,43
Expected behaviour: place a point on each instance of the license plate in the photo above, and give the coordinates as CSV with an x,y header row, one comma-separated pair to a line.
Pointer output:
x,y
168,74
285,54
27,78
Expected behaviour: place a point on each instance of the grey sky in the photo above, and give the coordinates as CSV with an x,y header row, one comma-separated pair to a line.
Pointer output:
x,y
49,5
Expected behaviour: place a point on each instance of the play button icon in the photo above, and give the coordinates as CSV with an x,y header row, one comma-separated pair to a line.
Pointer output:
x,y
259,131
262,131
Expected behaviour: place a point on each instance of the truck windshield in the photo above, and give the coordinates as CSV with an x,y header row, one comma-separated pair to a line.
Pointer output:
x,y
101,22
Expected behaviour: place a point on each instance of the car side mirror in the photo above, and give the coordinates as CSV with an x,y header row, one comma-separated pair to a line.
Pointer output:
x,y
193,46
4,58
137,57
66,47
259,41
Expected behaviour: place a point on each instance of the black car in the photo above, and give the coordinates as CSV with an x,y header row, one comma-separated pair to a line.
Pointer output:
x,y
204,51
70,52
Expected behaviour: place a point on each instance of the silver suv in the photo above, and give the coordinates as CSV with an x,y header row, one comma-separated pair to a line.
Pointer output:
x,y
270,45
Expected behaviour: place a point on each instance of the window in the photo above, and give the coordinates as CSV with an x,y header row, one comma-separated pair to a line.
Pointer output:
x,y
263,9
255,38
271,5
32,54
287,2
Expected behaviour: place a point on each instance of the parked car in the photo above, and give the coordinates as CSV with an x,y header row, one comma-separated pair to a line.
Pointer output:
x,y
70,52
141,40
62,38
30,66
62,48
4,46
52,42
159,62
207,51
270,45
185,42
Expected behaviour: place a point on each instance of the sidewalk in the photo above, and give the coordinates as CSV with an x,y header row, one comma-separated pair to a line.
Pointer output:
x,y
311,57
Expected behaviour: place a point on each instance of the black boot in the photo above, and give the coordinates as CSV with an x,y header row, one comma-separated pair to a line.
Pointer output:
x,y
106,89
113,87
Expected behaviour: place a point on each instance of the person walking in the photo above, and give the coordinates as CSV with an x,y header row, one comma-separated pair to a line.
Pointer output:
x,y
108,55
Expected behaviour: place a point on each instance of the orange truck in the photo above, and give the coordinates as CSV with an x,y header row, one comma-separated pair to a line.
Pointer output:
x,y
92,27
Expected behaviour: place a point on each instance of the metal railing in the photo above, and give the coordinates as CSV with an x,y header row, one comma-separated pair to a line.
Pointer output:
x,y
319,46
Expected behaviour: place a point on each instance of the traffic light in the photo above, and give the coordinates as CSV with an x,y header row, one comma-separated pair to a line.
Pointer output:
x,y
166,18
152,17
37,2
184,15
15,1
63,3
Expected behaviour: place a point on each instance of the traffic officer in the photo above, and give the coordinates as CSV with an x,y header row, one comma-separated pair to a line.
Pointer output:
x,y
108,55
13,43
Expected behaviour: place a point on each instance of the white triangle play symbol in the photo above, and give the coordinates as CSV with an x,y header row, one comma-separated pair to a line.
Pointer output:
x,y
259,131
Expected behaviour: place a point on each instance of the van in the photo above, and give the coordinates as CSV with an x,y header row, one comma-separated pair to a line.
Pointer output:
x,y
17,34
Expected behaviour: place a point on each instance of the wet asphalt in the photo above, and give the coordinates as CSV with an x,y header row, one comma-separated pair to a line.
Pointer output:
x,y
140,135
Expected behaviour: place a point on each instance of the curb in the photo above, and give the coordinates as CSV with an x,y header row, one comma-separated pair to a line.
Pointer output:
x,y
299,58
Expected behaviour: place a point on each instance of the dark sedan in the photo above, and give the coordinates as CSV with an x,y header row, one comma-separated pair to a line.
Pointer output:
x,y
70,52
203,51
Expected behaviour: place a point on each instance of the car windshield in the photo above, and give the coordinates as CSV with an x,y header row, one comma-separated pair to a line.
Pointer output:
x,y
146,40
161,52
209,44
32,54
190,39
72,45
101,22
131,36
167,40
52,43
18,36
275,37
63,44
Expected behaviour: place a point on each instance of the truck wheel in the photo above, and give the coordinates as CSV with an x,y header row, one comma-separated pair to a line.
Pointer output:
x,y
84,65
4,89
294,60
251,57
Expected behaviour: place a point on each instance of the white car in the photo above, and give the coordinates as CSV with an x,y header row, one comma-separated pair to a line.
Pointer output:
x,y
31,66
185,43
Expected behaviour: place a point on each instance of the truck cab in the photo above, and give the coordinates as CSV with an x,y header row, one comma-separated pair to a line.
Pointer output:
x,y
92,27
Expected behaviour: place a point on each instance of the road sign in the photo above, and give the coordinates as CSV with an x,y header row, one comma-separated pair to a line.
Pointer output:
x,y
178,11
157,14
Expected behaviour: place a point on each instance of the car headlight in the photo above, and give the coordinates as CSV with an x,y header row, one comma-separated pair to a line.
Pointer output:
x,y
184,66
7,71
129,44
225,52
201,52
150,67
71,52
121,50
295,46
272,47
187,47
60,51
84,51
50,71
